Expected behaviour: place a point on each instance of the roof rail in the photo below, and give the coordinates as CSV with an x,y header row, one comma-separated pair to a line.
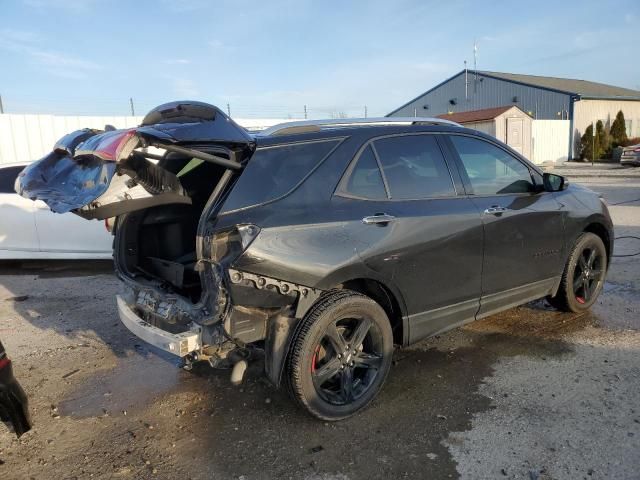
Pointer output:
x,y
305,126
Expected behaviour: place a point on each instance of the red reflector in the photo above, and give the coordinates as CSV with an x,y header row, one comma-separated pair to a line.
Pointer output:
x,y
4,362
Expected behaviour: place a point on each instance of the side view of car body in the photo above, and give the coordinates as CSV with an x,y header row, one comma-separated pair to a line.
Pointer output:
x,y
14,410
631,156
323,243
30,230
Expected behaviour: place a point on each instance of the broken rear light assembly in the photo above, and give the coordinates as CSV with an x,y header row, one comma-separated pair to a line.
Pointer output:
x,y
228,245
110,146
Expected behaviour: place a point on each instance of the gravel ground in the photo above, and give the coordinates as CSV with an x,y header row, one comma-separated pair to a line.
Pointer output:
x,y
530,393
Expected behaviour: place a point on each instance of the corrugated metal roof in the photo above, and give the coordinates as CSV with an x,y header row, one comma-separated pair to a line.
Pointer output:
x,y
476,115
583,88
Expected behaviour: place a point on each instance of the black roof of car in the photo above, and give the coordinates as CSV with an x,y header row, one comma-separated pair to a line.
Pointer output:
x,y
349,130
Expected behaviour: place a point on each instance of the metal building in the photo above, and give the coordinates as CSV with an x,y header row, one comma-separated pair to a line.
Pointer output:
x,y
549,98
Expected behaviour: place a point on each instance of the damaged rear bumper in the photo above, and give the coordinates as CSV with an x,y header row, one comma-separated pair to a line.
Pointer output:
x,y
180,344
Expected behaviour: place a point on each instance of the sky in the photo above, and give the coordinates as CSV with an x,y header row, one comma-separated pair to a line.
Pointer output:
x,y
268,59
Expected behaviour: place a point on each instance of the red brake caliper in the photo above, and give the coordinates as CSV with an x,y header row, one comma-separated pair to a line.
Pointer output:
x,y
314,359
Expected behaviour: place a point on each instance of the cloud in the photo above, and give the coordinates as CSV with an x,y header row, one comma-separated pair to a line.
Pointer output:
x,y
185,5
219,45
382,84
184,87
177,61
74,6
55,63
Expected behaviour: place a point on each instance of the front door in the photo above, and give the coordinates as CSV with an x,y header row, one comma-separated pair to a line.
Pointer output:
x,y
523,227
417,231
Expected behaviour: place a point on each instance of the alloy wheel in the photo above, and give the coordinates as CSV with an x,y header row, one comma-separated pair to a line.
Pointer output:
x,y
588,274
347,360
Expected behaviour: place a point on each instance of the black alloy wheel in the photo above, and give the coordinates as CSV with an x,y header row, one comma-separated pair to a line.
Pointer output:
x,y
588,274
340,356
347,360
583,276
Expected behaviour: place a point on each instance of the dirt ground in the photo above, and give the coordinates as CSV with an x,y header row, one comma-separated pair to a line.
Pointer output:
x,y
530,393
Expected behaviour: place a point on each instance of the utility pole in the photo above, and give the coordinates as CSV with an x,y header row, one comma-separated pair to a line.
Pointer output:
x,y
365,111
1,107
228,109
305,112
133,110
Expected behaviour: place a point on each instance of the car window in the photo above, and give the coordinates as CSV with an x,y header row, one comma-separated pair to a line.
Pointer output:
x,y
490,169
414,167
365,181
8,177
274,171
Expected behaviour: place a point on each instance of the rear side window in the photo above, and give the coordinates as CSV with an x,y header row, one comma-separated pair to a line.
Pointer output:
x,y
365,180
274,171
414,167
8,177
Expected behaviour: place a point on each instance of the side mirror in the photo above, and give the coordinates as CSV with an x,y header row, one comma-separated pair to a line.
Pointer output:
x,y
553,182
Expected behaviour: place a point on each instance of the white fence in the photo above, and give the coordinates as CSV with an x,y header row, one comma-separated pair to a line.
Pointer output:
x,y
549,141
24,138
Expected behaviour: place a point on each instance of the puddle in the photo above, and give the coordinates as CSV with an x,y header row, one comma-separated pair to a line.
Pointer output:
x,y
536,320
135,382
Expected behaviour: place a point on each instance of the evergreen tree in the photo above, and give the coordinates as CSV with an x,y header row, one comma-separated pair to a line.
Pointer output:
x,y
601,140
586,144
618,130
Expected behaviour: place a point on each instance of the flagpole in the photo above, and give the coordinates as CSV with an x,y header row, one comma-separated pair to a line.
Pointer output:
x,y
475,65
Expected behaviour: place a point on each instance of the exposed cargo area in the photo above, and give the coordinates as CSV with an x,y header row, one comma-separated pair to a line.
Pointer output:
x,y
159,243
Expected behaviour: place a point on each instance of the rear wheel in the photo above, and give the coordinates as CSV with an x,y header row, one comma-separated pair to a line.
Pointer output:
x,y
583,276
340,355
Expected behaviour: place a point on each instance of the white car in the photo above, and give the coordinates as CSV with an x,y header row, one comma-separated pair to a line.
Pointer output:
x,y
30,230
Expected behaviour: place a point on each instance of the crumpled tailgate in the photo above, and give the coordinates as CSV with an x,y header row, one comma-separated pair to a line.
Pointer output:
x,y
102,174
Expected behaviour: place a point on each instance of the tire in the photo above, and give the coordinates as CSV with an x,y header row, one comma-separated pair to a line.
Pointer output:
x,y
328,376
583,276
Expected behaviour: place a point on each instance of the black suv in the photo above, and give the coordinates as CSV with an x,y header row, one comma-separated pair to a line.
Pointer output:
x,y
322,243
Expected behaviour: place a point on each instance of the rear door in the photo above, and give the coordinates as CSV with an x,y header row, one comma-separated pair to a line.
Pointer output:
x,y
523,227
418,229
17,218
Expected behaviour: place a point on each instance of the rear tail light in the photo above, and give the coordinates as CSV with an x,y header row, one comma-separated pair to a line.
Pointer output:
x,y
111,146
230,244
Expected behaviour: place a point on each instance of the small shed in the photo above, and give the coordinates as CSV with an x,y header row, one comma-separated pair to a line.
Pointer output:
x,y
508,124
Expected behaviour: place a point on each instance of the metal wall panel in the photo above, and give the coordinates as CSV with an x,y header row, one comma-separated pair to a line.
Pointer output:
x,y
587,111
549,141
487,92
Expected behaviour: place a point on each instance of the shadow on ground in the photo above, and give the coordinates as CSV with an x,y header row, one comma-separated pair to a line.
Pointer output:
x,y
256,431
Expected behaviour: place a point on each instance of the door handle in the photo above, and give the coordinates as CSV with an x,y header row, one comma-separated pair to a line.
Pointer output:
x,y
495,210
378,219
